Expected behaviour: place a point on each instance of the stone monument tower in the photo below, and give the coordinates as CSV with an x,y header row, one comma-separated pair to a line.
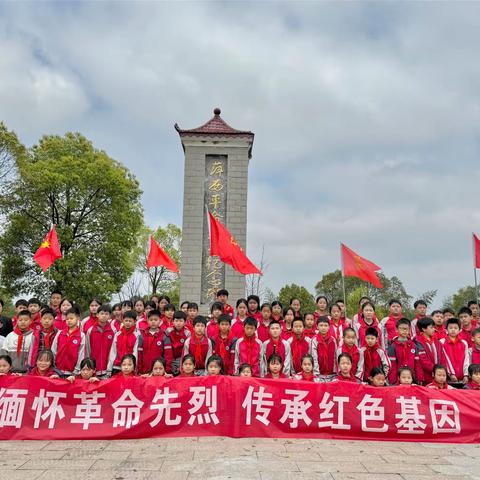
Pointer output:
x,y
216,177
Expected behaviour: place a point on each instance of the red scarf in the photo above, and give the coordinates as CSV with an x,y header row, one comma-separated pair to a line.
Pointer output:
x,y
297,349
322,359
20,339
48,337
473,386
36,372
250,343
122,347
198,351
436,385
309,377
149,339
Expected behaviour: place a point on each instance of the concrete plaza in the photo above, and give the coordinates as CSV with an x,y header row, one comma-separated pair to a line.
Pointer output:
x,y
247,458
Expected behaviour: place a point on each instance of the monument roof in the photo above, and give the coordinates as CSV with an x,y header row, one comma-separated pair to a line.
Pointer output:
x,y
216,126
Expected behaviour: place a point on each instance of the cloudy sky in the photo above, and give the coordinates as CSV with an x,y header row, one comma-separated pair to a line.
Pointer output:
x,y
366,115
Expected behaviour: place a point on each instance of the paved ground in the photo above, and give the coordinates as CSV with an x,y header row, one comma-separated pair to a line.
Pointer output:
x,y
225,458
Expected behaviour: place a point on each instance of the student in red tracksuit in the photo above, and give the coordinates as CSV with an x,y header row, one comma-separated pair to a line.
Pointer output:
x,y
324,348
475,350
402,351
454,353
150,343
125,342
247,349
439,326
322,307
199,345
345,369
212,325
439,380
237,324
222,296
310,329
349,345
60,320
142,317
253,302
473,377
388,325
420,307
45,336
366,319
275,345
20,305
44,365
263,332
92,318
275,367
288,316
167,317
224,344
69,345
99,339
34,307
306,373
371,356
467,325
192,313
174,341
428,350
300,345
337,323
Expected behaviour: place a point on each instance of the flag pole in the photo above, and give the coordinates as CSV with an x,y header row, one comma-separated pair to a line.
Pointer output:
x,y
475,267
343,281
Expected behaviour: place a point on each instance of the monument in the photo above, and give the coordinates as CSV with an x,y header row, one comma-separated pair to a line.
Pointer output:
x,y
216,178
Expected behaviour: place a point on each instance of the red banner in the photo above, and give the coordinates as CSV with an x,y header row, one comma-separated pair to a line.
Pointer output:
x,y
34,408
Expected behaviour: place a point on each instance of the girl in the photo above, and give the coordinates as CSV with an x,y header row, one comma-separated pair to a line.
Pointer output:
x,y
288,317
310,330
116,321
253,302
275,367
322,307
473,377
212,326
263,324
277,310
91,320
245,370
366,319
188,366
44,365
158,369
345,373
307,369
88,368
215,366
163,301
296,305
5,365
128,363
405,376
242,314
376,377
439,378
337,324
60,321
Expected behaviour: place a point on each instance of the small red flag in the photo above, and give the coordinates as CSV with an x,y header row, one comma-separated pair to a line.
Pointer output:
x,y
356,266
49,250
476,250
225,246
157,257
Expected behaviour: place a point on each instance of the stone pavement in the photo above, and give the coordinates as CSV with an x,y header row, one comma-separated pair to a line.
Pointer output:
x,y
216,458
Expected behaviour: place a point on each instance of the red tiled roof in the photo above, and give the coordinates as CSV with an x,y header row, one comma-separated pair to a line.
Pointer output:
x,y
215,126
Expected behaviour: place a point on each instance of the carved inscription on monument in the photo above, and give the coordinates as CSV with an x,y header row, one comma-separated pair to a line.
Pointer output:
x,y
213,270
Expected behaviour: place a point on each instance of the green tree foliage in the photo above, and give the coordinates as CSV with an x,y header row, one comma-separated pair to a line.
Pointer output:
x,y
461,297
288,292
10,150
94,202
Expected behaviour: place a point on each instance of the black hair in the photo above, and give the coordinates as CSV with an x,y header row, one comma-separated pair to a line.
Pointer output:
x,y
286,310
333,305
2,303
169,306
453,321
34,301
127,303
159,359
254,297
366,304
192,305
7,358
140,300
448,310
368,299
372,331
216,306
104,308
298,319
153,313
222,291
438,366
435,312
403,321
21,302
199,319
130,356
465,310
116,305
306,356
376,371
275,357
186,302
130,314
472,368
190,357
89,363
24,313
179,314
275,303
292,300
49,354
273,322
321,296
394,300
164,297
340,300
406,369
472,302
240,301
97,300
219,360
424,323
151,304
344,355
420,302
323,319
266,304
48,311
243,367
224,318
56,292
250,321
348,329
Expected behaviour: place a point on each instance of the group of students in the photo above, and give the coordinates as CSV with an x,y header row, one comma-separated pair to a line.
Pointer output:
x,y
153,338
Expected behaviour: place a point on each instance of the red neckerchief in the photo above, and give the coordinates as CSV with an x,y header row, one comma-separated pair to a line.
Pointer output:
x,y
369,355
323,361
341,378
296,349
275,342
222,351
436,385
48,337
309,377
198,351
473,386
20,338
36,372
123,350
250,342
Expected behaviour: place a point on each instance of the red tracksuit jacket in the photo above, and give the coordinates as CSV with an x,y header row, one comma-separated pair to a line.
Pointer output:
x,y
225,347
353,352
454,355
324,351
299,347
150,347
474,355
98,342
401,354
263,333
69,351
247,350
371,357
280,347
212,329
428,356
361,328
201,349
467,336
336,330
124,342
388,325
440,332
237,328
173,344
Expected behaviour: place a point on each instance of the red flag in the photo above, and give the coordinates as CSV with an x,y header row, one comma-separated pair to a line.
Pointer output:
x,y
225,246
49,250
356,266
157,257
476,250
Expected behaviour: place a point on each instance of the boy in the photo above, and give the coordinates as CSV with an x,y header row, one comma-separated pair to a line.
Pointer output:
x,y
20,305
222,297
465,317
388,325
150,343
448,313
99,339
55,299
174,341
199,345
125,341
275,344
69,345
454,353
45,336
300,345
427,348
324,348
473,306
34,309
212,326
142,318
19,344
192,313
263,331
402,351
349,345
247,349
420,310
371,356
473,377
224,343
475,350
438,325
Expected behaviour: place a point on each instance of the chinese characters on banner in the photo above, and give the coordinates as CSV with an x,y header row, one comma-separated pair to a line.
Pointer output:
x,y
39,408
213,270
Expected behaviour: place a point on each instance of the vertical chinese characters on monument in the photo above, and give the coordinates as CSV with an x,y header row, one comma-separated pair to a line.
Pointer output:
x,y
213,270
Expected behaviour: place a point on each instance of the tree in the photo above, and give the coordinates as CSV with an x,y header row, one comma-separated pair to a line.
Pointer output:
x,y
254,282
461,298
288,292
94,202
10,150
